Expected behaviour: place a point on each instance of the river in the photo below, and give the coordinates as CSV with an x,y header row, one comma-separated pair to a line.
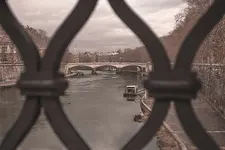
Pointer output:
x,y
96,108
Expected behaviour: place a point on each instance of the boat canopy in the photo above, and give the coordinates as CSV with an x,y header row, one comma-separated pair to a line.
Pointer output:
x,y
131,88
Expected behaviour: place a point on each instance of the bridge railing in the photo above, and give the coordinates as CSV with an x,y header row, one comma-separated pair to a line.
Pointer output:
x,y
137,63
42,84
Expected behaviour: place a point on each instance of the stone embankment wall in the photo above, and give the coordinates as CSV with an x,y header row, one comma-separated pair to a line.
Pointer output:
x,y
10,72
213,80
13,72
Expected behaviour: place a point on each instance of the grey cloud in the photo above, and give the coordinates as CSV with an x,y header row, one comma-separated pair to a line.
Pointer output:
x,y
104,31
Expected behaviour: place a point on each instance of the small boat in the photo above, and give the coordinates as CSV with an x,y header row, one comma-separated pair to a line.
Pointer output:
x,y
130,92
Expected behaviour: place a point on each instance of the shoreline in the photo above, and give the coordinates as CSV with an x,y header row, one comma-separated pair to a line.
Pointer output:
x,y
9,84
166,138
165,141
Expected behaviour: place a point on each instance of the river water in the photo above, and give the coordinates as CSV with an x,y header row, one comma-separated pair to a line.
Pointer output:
x,y
96,108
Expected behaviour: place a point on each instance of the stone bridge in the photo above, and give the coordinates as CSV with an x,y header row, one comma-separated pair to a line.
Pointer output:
x,y
13,70
118,66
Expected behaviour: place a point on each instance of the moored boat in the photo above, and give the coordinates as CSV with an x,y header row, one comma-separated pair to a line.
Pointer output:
x,y
130,92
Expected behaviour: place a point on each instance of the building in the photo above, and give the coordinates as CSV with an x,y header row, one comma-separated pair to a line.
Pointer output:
x,y
8,53
8,50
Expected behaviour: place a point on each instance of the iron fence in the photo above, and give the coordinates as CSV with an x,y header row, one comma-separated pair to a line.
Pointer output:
x,y
42,83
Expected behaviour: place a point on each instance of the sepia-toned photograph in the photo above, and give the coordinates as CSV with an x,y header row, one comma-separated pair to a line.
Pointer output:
x,y
112,75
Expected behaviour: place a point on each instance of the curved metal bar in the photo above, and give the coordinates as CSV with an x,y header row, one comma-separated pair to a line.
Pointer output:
x,y
24,43
185,57
61,125
205,24
63,36
51,61
27,118
155,48
147,132
192,126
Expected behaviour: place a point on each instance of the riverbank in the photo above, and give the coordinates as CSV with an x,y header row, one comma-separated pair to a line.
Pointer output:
x,y
166,139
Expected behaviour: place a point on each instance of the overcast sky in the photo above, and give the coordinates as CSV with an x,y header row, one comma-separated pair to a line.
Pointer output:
x,y
104,31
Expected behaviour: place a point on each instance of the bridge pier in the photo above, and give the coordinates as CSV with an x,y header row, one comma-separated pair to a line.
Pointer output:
x,y
94,72
143,70
118,71
63,68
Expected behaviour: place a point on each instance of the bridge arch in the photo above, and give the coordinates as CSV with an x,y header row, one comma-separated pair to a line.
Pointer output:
x,y
105,66
132,68
81,67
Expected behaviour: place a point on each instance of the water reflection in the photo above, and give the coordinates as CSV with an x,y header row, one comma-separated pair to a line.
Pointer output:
x,y
95,107
10,105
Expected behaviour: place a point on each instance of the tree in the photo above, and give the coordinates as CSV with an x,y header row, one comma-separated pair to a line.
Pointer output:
x,y
84,57
110,58
42,32
212,48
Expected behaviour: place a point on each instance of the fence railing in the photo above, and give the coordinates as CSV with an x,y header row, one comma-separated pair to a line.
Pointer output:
x,y
42,84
